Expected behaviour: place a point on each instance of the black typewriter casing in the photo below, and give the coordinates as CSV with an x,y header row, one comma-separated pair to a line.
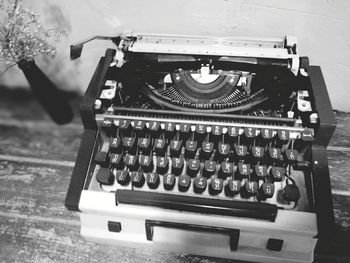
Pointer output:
x,y
322,203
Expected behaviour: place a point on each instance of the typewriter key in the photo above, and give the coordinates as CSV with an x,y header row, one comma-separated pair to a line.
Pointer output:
x,y
131,161
140,128
162,165
291,192
122,177
185,131
144,145
184,183
177,165
277,173
209,168
226,170
233,187
193,166
129,144
116,160
190,149
200,184
175,148
152,180
146,163
169,181
215,186
260,170
114,144
137,178
101,158
291,156
243,170
105,176
223,151
250,188
266,190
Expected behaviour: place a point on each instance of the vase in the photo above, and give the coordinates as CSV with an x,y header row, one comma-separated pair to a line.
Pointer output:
x,y
46,92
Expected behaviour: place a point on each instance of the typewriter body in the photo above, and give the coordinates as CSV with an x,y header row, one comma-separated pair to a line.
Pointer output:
x,y
207,146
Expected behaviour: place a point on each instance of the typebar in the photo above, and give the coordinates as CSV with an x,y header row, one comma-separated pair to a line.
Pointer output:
x,y
198,204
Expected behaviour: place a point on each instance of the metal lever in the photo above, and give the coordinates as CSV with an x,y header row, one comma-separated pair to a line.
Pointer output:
x,y
77,48
232,233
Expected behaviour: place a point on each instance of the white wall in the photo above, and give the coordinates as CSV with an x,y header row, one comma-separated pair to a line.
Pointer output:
x,y
322,28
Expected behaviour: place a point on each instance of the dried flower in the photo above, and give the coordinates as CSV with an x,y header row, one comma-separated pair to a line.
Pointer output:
x,y
22,37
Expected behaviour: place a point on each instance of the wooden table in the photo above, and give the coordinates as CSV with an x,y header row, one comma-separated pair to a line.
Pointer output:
x,y
36,161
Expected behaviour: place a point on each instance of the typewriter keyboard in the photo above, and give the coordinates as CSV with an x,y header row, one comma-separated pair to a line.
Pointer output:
x,y
221,168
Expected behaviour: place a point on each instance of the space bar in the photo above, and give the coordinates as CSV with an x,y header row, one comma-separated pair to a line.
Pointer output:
x,y
198,204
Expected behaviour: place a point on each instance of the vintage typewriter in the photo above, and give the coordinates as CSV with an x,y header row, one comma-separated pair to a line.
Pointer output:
x,y
207,146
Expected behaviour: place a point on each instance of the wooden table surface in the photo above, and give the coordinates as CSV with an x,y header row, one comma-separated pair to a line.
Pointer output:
x,y
36,161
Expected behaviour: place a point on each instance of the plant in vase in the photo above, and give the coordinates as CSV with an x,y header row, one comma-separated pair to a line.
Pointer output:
x,y
22,39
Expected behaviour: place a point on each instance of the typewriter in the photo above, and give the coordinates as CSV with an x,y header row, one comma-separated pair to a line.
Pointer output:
x,y
207,146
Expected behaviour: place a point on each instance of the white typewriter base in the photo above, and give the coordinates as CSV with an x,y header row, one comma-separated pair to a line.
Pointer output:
x,y
296,229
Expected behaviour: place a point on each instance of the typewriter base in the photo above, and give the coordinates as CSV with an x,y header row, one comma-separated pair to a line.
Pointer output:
x,y
296,229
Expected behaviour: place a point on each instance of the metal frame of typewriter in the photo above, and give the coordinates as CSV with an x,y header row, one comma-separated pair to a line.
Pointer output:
x,y
197,233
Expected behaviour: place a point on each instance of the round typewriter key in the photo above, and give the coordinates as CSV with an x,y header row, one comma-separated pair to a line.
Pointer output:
x,y
233,132
125,127
177,165
184,183
137,178
291,156
185,131
216,133
140,128
233,187
241,151
131,161
170,130
209,168
223,151
275,154
291,192
243,170
277,173
114,145
266,133
152,180
207,150
122,177
201,132
226,170
144,145
129,144
190,149
258,152
283,135
266,190
216,186
193,166
116,160
162,165
175,148
105,176
250,132
146,163
260,170
169,181
200,184
251,188
154,128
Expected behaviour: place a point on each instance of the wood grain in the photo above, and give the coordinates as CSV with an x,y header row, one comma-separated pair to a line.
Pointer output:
x,y
341,135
